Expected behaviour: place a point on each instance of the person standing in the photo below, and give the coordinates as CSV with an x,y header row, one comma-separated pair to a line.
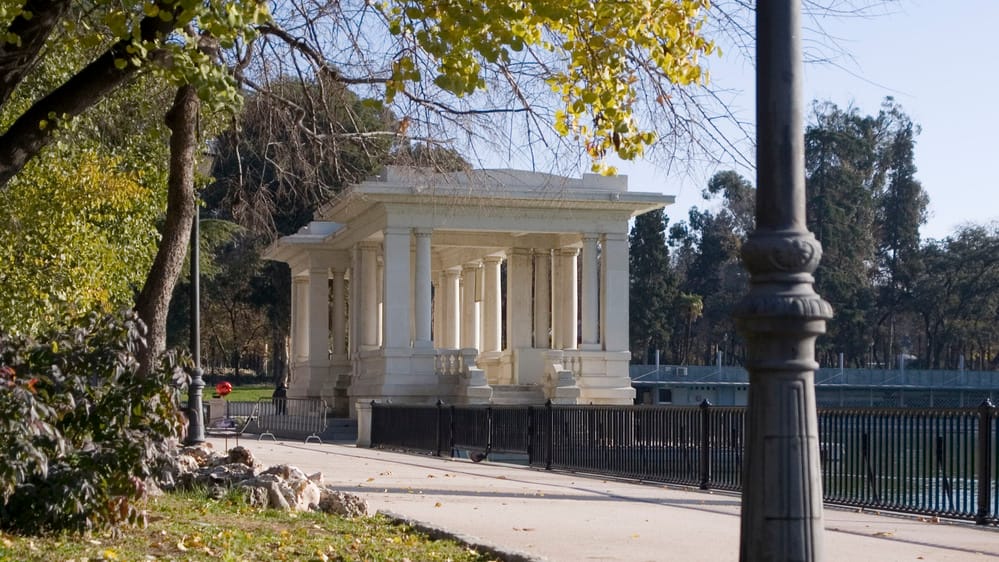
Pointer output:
x,y
280,400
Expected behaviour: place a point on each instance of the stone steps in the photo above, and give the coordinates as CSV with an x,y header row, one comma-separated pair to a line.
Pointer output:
x,y
340,429
518,394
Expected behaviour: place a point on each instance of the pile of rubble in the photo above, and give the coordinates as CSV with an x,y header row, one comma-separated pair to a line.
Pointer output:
x,y
282,487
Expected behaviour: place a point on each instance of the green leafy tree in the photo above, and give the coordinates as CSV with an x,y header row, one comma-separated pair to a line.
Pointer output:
x,y
653,287
79,235
81,216
124,39
956,298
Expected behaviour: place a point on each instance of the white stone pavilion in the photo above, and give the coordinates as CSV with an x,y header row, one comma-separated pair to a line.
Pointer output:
x,y
499,286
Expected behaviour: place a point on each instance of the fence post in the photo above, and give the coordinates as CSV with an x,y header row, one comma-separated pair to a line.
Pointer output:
x,y
550,438
705,444
440,428
373,429
530,436
450,430
986,414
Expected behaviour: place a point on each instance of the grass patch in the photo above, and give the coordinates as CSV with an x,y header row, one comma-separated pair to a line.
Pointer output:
x,y
188,526
248,393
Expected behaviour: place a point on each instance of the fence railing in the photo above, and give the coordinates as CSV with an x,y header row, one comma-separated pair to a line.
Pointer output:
x,y
941,462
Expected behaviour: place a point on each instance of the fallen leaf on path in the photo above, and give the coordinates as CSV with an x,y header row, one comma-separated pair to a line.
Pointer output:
x,y
438,504
884,534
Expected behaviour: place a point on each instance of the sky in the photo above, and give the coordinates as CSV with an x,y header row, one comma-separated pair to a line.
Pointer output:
x,y
939,60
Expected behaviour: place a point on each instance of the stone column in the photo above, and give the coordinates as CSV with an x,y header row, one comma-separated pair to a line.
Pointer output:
x,y
368,314
542,299
354,294
781,316
423,282
452,307
380,291
518,299
492,312
339,314
614,261
438,306
590,296
558,334
569,309
299,319
319,317
469,308
396,278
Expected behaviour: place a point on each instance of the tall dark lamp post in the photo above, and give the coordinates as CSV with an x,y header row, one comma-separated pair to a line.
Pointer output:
x,y
782,315
196,422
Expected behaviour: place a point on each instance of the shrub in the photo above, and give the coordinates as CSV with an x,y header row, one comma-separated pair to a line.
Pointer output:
x,y
80,428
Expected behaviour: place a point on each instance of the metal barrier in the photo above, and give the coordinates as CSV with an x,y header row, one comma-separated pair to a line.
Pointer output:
x,y
291,418
238,409
941,462
232,424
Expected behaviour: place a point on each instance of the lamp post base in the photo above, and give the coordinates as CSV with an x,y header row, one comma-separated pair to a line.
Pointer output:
x,y
195,419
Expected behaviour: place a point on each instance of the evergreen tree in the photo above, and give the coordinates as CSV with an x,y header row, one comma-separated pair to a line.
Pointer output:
x,y
865,207
708,247
653,287
841,160
901,210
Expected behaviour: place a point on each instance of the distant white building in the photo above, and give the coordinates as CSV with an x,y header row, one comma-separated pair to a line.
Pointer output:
x,y
499,286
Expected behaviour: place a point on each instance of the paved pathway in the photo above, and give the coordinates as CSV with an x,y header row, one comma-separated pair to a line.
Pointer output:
x,y
535,514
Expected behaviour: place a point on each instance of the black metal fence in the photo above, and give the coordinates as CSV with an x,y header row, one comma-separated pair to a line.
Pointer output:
x,y
942,462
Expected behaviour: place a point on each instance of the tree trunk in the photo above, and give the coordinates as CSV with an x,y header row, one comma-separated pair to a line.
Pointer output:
x,y
153,302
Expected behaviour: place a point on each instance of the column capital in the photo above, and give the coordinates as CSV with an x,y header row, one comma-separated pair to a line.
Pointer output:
x,y
368,245
591,236
568,252
520,251
470,267
492,260
423,232
615,236
397,231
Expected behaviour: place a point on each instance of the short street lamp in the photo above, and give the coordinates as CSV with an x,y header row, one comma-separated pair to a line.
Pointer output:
x,y
196,422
